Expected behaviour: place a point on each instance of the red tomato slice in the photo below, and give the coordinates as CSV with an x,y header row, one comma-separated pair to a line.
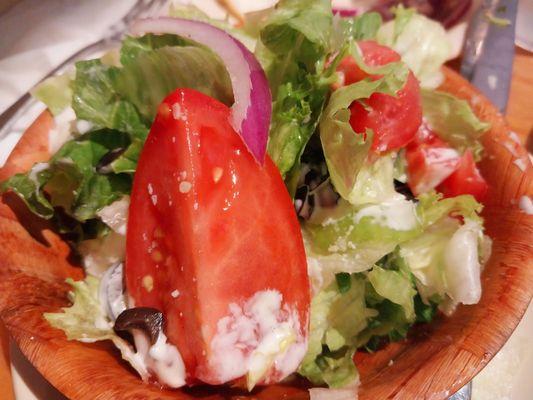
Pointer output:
x,y
394,120
209,228
466,179
429,161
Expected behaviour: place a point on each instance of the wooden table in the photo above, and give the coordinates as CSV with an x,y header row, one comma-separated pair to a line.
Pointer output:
x,y
519,115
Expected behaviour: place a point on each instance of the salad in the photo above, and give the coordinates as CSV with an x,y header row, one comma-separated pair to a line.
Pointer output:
x,y
255,202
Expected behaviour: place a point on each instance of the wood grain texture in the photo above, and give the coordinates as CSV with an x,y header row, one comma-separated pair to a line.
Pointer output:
x,y
519,114
432,364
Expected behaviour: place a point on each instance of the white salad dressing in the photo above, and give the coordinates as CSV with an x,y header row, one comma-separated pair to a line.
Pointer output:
x,y
101,253
36,169
161,359
436,176
397,213
461,263
258,338
115,215
112,291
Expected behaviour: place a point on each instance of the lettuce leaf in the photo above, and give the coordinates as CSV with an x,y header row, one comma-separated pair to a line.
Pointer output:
x,y
454,121
354,231
27,187
396,287
374,182
421,42
446,258
85,320
336,318
55,92
95,99
297,31
432,207
70,180
362,27
293,47
153,66
354,311
345,150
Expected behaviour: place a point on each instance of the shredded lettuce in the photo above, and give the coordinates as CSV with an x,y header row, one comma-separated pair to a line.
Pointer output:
x,y
358,310
421,42
293,48
446,259
374,182
432,207
55,92
335,319
454,121
345,150
85,320
396,287
70,179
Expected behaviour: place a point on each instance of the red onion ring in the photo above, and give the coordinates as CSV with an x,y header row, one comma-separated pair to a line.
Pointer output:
x,y
252,110
344,12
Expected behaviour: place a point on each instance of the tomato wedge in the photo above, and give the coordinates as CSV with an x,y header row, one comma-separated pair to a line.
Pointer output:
x,y
214,243
394,120
434,164
430,161
466,179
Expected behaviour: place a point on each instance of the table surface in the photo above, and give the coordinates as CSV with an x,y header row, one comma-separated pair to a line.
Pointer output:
x,y
519,115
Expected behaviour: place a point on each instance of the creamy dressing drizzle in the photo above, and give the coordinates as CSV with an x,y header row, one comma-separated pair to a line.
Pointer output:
x,y
162,359
397,213
261,339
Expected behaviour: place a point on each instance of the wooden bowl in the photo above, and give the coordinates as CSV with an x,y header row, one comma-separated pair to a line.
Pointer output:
x,y
431,364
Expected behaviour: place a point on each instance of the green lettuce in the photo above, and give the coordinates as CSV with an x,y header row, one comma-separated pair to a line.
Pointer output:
x,y
84,320
345,150
70,179
421,42
153,66
395,287
95,99
358,310
424,257
336,318
432,207
126,98
293,47
374,182
432,256
55,92
454,121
